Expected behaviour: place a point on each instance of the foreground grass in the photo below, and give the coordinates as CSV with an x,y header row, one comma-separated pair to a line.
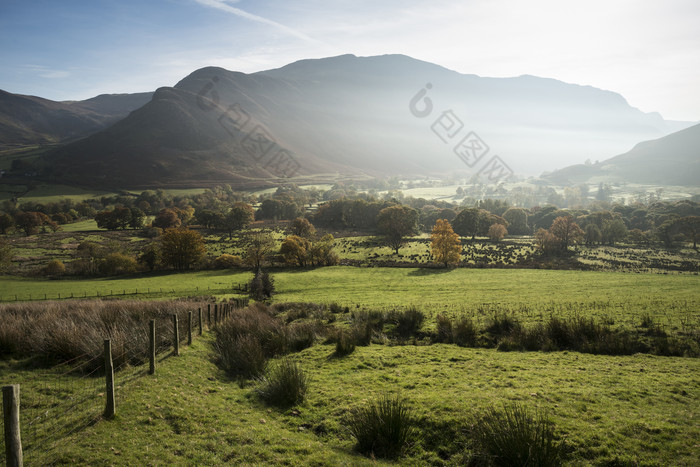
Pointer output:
x,y
637,410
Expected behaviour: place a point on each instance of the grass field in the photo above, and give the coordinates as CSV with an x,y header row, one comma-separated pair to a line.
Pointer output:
x,y
532,295
636,410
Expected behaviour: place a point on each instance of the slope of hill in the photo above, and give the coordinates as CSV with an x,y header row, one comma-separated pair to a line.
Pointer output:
x,y
671,160
30,120
352,115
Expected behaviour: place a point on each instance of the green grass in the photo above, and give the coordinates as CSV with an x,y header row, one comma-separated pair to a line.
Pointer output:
x,y
532,295
641,410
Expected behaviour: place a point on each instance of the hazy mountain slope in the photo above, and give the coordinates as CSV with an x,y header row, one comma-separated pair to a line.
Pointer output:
x,y
351,115
671,160
29,120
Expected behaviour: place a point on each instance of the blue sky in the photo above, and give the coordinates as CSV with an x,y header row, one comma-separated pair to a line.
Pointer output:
x,y
73,49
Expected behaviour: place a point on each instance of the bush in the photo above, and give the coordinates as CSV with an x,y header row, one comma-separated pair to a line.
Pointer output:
x,y
242,355
464,332
284,385
261,286
117,263
512,436
384,428
55,267
444,329
227,261
345,345
409,322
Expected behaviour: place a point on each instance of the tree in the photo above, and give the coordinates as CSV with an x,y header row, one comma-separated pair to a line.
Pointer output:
x,y
614,231
321,252
395,223
181,248
294,250
445,245
301,227
138,218
470,221
6,222
517,221
546,242
260,245
150,256
567,231
593,234
55,267
240,215
29,222
497,232
166,219
690,227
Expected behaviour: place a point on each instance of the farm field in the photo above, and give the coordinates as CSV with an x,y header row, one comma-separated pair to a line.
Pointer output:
x,y
635,410
532,295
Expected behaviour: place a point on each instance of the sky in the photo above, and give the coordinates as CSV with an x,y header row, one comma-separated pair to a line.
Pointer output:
x,y
648,51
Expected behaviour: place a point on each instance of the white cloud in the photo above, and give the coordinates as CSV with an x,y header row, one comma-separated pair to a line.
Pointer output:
x,y
224,5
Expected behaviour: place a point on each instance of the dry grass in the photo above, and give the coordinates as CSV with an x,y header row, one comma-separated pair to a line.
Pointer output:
x,y
55,332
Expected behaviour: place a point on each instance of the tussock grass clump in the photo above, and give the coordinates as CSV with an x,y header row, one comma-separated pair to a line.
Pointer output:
x,y
344,345
367,324
514,436
59,331
464,332
284,385
383,428
408,321
443,329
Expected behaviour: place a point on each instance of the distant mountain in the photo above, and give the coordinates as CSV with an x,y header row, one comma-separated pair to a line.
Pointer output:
x,y
671,160
352,115
30,120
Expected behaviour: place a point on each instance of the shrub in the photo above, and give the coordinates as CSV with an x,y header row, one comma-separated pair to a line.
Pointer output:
x,y
284,385
55,267
227,261
443,329
345,345
464,332
512,436
409,322
383,428
117,263
300,336
261,286
242,355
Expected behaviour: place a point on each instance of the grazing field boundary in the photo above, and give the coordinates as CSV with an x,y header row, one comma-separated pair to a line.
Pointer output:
x,y
80,391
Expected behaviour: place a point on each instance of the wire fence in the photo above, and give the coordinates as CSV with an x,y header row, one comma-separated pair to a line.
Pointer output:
x,y
144,292
71,396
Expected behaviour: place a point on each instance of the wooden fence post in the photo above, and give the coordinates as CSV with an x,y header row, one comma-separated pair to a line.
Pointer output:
x,y
13,440
199,313
216,314
209,315
189,328
109,380
176,336
152,344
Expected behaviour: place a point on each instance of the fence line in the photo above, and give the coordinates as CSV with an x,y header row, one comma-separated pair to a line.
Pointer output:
x,y
71,395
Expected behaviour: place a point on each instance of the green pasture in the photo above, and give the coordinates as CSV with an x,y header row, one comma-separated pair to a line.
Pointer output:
x,y
532,295
636,410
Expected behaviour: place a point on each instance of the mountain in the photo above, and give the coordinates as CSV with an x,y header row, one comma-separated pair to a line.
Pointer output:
x,y
671,160
352,115
30,120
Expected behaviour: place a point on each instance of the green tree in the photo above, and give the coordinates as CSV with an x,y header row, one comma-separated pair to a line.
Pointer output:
x,y
690,227
321,252
517,221
614,231
445,245
259,245
470,221
181,248
395,223
238,218
593,234
5,255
